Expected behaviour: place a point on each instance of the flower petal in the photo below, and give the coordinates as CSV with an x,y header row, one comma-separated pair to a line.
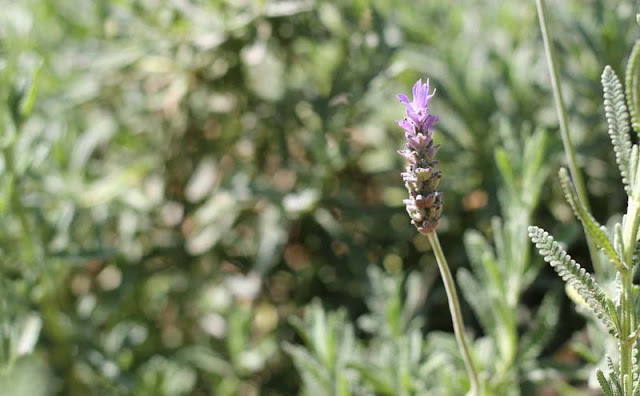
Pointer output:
x,y
416,89
403,98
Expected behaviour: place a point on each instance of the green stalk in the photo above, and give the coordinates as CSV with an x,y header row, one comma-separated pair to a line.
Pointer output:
x,y
569,150
456,314
626,345
627,305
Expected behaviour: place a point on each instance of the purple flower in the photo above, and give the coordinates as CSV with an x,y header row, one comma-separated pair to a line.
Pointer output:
x,y
418,109
421,178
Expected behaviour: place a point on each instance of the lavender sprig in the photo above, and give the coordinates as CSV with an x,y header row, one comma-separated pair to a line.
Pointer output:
x,y
421,178
425,202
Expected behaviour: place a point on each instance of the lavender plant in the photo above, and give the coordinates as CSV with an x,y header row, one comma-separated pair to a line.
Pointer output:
x,y
397,360
619,314
424,204
504,273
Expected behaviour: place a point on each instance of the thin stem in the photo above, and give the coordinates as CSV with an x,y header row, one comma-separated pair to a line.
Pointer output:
x,y
561,110
456,314
626,346
627,305
569,150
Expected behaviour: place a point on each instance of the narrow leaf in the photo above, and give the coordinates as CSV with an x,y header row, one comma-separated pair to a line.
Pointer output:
x,y
632,80
576,276
29,98
506,171
535,168
591,226
615,110
604,384
314,375
476,296
633,164
618,239
535,339
372,376
616,387
477,249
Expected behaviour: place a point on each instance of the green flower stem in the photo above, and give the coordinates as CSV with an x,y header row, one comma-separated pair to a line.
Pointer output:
x,y
626,346
629,236
456,314
569,150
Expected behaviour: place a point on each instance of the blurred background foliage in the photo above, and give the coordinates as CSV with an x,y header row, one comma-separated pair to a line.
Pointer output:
x,y
181,178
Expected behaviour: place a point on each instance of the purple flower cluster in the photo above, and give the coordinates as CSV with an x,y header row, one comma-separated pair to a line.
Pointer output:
x,y
421,178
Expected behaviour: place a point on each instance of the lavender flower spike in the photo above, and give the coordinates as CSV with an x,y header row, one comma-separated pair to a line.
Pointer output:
x,y
421,178
425,203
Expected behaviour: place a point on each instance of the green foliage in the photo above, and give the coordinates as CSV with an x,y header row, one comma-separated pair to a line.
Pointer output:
x,y
324,370
619,318
502,273
395,360
391,362
180,178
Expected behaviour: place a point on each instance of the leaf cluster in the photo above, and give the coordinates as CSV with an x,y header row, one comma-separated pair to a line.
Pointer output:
x,y
616,314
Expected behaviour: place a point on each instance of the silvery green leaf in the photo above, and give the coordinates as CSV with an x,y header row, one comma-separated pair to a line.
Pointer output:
x,y
618,119
631,82
576,276
591,226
